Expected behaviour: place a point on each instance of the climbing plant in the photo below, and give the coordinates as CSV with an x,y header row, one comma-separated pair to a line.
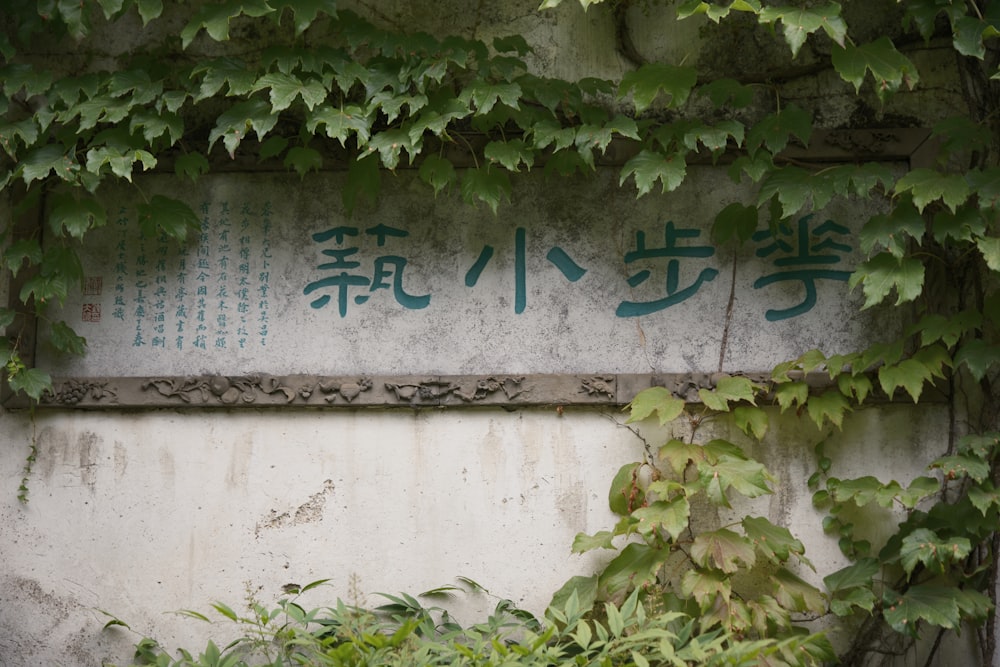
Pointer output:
x,y
304,85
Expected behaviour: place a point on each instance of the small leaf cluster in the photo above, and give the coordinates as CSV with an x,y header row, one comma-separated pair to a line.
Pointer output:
x,y
929,572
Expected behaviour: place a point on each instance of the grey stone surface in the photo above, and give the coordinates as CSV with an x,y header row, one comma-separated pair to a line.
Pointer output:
x,y
581,279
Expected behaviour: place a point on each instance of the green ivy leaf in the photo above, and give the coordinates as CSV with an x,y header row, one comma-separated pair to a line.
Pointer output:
x,y
341,123
389,144
76,216
121,162
19,251
579,592
64,339
927,185
960,133
484,95
985,184
967,34
861,491
716,11
487,185
919,488
625,494
879,275
978,356
960,465
273,147
218,72
34,80
796,594
989,246
303,160
155,125
25,129
149,10
794,187
31,381
847,603
706,587
634,567
306,11
890,68
893,231
829,406
981,445
215,17
437,172
776,543
679,454
797,24
775,130
747,477
655,399
669,515
728,93
648,167
549,133
40,162
44,289
935,605
511,154
7,317
723,550
925,547
728,390
602,540
167,216
646,83
755,166
984,498
856,575
735,220
791,393
234,124
284,88
192,165
909,374
364,179
752,421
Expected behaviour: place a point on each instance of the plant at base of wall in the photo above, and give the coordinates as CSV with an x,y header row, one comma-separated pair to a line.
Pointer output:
x,y
406,634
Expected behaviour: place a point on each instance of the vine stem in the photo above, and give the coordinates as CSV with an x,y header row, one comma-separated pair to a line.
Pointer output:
x,y
729,317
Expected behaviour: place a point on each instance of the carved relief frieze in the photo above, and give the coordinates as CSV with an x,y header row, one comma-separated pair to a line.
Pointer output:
x,y
312,391
72,391
512,387
427,391
220,388
599,385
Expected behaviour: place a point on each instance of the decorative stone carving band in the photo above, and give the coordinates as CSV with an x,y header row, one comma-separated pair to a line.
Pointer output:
x,y
264,390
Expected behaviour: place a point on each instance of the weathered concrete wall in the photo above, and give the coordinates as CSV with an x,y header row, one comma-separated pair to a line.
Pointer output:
x,y
141,514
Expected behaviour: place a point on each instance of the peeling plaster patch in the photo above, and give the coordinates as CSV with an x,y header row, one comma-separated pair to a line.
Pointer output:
x,y
310,511
52,443
121,460
89,445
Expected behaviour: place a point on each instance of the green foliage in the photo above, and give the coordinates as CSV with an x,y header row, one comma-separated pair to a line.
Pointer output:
x,y
406,633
